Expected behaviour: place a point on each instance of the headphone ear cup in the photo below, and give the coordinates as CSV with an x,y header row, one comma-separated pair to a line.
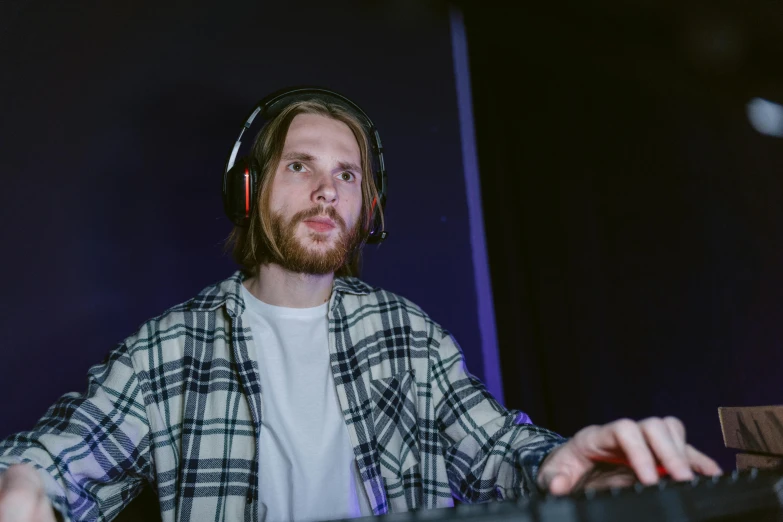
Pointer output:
x,y
240,186
377,233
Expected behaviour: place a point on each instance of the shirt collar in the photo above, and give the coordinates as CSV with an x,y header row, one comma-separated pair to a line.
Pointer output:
x,y
351,285
228,293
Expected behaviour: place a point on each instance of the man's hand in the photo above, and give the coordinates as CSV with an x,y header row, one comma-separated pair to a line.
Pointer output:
x,y
22,496
591,457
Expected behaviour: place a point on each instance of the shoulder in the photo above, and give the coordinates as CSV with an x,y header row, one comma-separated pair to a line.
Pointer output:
x,y
362,300
208,313
357,292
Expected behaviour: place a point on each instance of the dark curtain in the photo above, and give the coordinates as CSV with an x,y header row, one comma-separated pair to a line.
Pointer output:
x,y
633,216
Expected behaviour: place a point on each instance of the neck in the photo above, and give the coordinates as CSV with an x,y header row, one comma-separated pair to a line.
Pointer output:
x,y
277,286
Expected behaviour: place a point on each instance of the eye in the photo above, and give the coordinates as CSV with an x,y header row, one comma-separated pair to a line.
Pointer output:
x,y
297,167
347,176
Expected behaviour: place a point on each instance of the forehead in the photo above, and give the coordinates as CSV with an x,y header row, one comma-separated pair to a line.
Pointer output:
x,y
317,133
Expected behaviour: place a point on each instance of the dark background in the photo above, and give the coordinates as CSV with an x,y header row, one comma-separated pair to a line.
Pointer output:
x,y
633,217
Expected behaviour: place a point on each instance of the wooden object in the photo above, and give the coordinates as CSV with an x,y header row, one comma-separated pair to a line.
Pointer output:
x,y
747,461
757,429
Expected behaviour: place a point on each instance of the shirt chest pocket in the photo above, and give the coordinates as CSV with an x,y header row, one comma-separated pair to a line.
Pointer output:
x,y
395,418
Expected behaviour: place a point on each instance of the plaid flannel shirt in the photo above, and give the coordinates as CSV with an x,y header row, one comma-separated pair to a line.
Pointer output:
x,y
178,405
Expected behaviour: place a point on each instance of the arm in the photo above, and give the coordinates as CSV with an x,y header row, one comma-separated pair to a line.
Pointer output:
x,y
91,449
491,453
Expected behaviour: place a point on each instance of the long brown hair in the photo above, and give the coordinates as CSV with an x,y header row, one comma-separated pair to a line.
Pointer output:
x,y
255,244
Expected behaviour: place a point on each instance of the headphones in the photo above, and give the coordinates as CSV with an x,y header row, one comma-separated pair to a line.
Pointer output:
x,y
241,176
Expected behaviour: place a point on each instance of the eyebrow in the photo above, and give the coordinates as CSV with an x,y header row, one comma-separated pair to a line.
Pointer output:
x,y
304,156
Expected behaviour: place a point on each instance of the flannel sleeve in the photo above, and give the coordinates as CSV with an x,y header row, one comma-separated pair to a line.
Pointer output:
x,y
92,449
491,453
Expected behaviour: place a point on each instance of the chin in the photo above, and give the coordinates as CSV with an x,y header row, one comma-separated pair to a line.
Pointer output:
x,y
318,241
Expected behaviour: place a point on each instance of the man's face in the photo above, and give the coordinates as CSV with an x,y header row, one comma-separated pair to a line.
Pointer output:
x,y
316,196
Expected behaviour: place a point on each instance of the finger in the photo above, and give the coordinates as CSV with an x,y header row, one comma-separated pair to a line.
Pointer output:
x,y
22,494
557,473
22,476
628,435
560,484
701,462
677,430
666,450
45,511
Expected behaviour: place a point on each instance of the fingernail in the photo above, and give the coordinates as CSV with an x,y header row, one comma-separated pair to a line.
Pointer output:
x,y
649,476
683,474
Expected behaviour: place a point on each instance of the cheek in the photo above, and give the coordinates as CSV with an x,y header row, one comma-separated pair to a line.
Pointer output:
x,y
354,205
281,195
274,194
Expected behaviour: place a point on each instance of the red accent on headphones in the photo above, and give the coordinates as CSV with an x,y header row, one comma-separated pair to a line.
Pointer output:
x,y
374,202
247,192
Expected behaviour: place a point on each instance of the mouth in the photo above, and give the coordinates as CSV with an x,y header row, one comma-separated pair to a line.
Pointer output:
x,y
320,224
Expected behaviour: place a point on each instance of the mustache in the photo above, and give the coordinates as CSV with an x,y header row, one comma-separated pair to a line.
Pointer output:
x,y
329,212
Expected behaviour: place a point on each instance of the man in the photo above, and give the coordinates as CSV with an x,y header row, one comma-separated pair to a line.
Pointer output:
x,y
293,392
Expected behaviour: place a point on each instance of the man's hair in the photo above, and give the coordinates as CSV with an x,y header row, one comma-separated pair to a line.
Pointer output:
x,y
255,244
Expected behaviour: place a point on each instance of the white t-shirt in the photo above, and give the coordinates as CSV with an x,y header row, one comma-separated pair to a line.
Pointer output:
x,y
307,468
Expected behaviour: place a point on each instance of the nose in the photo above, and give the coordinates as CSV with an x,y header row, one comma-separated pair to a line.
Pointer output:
x,y
325,192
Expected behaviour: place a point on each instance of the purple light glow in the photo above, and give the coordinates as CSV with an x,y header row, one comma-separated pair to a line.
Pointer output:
x,y
486,310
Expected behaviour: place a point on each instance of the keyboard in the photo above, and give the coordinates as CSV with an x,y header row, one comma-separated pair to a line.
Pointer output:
x,y
748,496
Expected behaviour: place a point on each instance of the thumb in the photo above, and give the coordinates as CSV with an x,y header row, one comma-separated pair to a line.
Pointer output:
x,y
556,479
560,484
555,474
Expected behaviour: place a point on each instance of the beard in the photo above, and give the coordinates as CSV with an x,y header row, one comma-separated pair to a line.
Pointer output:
x,y
298,258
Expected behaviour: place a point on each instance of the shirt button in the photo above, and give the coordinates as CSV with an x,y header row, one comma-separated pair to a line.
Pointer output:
x,y
249,497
